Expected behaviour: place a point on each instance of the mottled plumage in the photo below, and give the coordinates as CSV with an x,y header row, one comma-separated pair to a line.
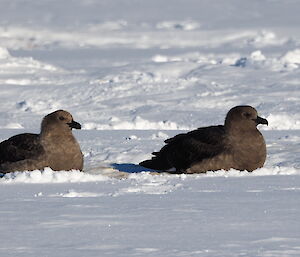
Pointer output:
x,y
237,144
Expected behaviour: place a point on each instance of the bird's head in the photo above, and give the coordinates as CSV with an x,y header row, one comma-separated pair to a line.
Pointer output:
x,y
59,121
243,118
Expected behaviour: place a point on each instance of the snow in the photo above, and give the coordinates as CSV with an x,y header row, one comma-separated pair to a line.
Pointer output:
x,y
49,176
135,73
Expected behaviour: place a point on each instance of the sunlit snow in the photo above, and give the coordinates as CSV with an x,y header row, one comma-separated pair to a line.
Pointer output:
x,y
135,73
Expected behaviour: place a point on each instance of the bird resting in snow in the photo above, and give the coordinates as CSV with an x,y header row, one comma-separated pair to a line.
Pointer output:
x,y
235,145
54,147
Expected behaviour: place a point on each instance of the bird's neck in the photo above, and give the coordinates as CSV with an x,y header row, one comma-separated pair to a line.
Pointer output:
x,y
52,134
239,131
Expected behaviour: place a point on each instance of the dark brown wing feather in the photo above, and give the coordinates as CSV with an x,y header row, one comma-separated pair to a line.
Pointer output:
x,y
20,147
184,149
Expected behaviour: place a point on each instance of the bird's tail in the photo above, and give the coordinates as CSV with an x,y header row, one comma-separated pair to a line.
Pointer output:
x,y
156,163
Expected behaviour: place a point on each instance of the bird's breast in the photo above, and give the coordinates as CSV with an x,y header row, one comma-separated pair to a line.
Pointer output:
x,y
63,153
249,151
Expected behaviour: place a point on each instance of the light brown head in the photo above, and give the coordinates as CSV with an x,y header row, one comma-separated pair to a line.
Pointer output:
x,y
243,118
58,122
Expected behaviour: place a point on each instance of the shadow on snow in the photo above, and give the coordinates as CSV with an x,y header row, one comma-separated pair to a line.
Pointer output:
x,y
130,167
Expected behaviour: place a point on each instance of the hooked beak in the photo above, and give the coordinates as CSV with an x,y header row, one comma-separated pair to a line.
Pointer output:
x,y
74,125
260,120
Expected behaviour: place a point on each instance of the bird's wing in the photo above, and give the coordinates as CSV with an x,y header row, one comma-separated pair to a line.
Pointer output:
x,y
20,147
184,149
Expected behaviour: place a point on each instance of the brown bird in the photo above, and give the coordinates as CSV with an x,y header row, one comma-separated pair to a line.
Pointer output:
x,y
54,147
237,144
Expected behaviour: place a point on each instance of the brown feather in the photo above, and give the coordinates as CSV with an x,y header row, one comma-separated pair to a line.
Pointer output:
x,y
54,147
238,144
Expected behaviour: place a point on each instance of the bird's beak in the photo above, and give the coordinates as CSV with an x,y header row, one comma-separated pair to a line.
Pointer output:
x,y
260,120
74,125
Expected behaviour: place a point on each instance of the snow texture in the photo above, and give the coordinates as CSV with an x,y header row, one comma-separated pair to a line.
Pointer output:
x,y
135,73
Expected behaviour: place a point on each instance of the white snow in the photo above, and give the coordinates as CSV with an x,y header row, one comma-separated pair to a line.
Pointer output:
x,y
135,73
4,54
49,176
292,57
179,25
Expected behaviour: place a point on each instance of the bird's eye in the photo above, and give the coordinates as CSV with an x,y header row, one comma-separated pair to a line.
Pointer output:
x,y
61,118
247,114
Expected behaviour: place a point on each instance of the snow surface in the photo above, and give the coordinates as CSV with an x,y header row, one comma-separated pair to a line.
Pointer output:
x,y
134,73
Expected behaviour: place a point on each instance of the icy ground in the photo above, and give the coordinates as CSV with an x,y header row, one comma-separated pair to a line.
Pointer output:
x,y
134,73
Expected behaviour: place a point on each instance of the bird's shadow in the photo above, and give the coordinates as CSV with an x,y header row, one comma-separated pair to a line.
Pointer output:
x,y
123,167
130,167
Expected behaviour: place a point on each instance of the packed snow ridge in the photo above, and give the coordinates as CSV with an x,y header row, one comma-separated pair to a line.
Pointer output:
x,y
49,176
